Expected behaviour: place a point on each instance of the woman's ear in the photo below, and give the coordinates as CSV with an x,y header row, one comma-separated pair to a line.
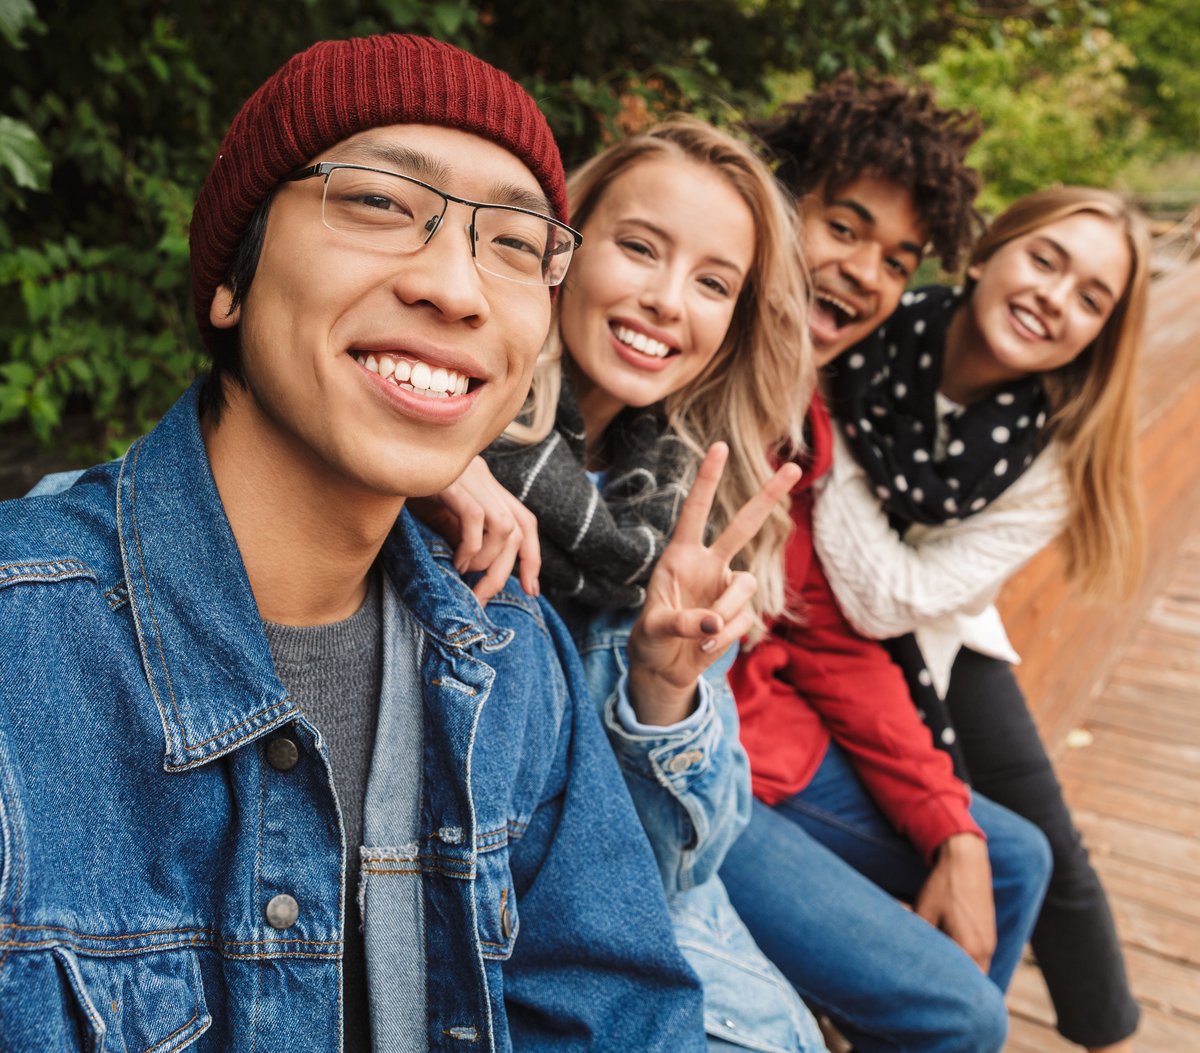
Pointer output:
x,y
222,313
974,271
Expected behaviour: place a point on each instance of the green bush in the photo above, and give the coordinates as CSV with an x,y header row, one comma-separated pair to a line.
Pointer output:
x,y
1054,109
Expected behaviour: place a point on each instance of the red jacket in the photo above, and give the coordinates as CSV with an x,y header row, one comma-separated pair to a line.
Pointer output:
x,y
811,681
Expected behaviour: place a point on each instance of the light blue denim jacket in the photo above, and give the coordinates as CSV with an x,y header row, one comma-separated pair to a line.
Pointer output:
x,y
145,839
690,783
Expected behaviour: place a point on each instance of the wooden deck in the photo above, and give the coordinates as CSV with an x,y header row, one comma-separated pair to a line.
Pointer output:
x,y
1135,792
1117,697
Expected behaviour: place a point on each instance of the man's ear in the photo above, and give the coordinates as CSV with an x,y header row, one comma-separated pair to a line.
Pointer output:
x,y
222,313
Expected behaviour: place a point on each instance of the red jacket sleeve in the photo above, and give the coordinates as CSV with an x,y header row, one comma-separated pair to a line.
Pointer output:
x,y
818,678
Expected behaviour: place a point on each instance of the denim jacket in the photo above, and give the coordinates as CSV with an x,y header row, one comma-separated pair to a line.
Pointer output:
x,y
164,883
690,783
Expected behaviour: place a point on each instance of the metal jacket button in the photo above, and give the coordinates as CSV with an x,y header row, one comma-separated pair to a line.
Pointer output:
x,y
282,911
282,753
683,761
505,921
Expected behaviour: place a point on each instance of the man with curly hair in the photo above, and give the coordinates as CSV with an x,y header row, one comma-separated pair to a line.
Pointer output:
x,y
855,808
880,178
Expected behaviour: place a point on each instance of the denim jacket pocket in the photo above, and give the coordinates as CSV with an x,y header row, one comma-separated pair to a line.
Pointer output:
x,y
143,1003
82,1016
495,904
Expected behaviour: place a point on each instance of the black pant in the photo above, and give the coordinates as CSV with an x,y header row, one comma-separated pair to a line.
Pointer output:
x,y
1075,940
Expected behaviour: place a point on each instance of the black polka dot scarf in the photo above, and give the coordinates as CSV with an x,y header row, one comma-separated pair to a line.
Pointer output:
x,y
884,396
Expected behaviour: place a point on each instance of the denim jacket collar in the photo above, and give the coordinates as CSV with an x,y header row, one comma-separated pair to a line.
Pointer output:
x,y
207,662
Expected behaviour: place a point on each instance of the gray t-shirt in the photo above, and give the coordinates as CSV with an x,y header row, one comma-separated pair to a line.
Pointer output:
x,y
337,673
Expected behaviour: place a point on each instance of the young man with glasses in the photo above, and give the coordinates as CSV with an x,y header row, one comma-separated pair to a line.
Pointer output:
x,y
270,778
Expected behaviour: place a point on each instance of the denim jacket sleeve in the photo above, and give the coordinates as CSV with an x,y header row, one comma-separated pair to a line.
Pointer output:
x,y
690,784
590,909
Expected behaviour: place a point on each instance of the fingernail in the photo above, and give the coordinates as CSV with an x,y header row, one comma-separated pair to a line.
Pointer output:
x,y
710,624
708,645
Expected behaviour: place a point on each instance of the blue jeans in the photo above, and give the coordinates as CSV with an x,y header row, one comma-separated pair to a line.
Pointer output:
x,y
817,879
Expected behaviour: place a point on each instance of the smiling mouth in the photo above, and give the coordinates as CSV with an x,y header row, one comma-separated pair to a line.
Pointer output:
x,y
839,311
1030,321
647,345
416,376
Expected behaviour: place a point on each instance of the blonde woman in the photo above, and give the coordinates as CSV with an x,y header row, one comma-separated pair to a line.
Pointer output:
x,y
977,426
683,322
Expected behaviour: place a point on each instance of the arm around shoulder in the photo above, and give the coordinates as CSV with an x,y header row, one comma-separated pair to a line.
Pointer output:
x,y
888,586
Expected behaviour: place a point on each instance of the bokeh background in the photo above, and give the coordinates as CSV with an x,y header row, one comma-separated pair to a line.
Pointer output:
x,y
110,114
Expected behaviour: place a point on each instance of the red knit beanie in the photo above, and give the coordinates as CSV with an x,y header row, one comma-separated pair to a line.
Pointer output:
x,y
334,90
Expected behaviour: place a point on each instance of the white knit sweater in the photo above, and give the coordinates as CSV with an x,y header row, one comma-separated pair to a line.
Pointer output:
x,y
938,582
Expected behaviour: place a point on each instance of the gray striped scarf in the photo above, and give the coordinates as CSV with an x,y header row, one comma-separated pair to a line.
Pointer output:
x,y
599,547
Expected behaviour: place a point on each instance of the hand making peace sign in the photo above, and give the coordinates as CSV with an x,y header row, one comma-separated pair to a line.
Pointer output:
x,y
696,606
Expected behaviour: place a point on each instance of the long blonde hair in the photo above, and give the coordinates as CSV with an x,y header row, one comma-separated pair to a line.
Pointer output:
x,y
755,392
1093,398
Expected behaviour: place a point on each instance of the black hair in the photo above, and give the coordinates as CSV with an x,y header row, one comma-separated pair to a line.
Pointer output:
x,y
225,345
897,132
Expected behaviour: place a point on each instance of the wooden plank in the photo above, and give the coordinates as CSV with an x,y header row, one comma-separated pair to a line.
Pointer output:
x,y
1151,674
1144,723
1136,806
1028,1036
1081,769
1136,882
1165,651
1161,849
1159,1032
1028,997
1160,700
1166,1033
1165,984
1156,755
1152,928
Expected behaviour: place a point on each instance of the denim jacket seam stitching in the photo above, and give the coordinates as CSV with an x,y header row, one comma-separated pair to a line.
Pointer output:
x,y
188,747
178,1031
137,540
258,895
16,891
258,716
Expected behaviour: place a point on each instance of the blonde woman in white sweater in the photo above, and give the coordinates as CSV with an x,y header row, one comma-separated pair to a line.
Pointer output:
x,y
975,428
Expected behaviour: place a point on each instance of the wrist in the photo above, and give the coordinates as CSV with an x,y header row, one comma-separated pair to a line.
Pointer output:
x,y
965,845
658,701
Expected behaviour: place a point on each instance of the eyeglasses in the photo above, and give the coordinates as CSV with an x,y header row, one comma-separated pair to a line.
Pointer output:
x,y
401,214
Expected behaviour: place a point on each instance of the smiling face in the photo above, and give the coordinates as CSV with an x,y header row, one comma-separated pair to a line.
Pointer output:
x,y
1043,297
862,243
651,294
386,372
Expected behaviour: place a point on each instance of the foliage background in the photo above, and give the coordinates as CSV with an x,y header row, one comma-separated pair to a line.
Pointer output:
x,y
110,114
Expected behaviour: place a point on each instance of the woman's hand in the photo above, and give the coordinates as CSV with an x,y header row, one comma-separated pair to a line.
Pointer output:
x,y
488,527
695,605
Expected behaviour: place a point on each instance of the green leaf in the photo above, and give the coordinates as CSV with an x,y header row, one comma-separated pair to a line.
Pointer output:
x,y
15,17
23,155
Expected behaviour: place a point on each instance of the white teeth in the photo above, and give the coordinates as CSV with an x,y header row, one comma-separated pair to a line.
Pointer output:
x,y
433,381
1030,321
840,304
641,342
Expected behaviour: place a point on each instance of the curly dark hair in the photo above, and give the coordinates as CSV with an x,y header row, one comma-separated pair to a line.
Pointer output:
x,y
892,130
